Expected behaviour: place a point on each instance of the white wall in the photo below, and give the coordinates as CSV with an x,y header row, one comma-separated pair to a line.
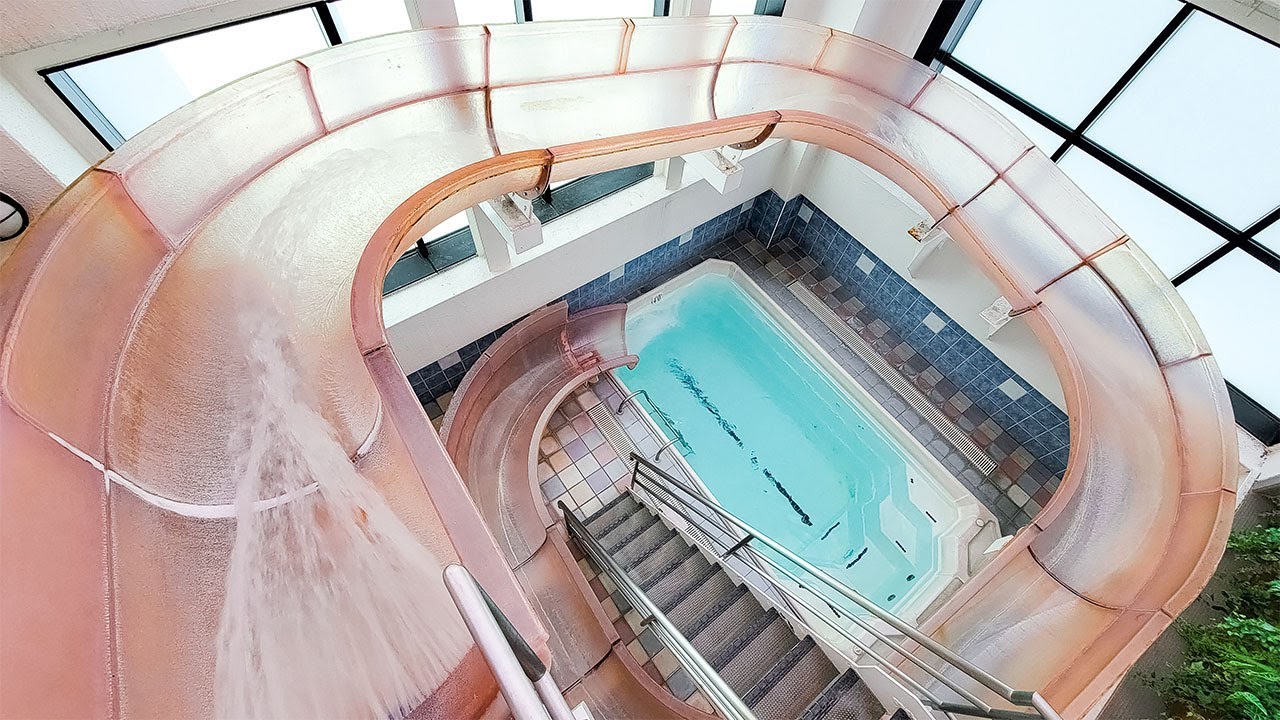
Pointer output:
x,y
856,197
898,24
431,319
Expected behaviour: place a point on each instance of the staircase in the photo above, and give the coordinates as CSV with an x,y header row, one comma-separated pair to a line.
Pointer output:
x,y
778,675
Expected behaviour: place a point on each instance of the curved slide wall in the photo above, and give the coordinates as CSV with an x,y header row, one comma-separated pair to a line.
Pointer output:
x,y
118,311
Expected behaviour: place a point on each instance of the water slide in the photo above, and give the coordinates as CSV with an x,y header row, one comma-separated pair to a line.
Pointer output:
x,y
127,365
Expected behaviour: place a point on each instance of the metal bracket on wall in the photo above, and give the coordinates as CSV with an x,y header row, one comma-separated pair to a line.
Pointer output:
x,y
930,238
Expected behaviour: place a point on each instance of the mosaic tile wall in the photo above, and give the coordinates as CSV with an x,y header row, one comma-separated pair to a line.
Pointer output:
x,y
1024,432
910,325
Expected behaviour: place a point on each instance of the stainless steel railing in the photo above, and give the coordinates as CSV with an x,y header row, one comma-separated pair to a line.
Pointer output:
x,y
662,488
523,679
676,437
725,700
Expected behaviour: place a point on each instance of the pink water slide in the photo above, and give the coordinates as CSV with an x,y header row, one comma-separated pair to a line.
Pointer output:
x,y
121,357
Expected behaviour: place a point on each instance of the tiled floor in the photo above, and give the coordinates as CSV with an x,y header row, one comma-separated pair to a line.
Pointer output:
x,y
578,467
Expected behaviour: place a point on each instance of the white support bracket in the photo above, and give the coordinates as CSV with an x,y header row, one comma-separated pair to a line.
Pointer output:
x,y
673,172
997,315
719,167
930,238
508,221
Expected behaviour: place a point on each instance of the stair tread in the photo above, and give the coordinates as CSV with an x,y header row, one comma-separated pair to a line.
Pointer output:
x,y
627,530
846,698
620,507
672,547
640,547
719,630
753,651
668,590
792,684
689,614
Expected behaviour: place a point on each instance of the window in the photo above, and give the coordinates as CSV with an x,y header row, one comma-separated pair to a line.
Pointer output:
x,y
1060,56
359,19
485,12
732,7
446,245
451,242
591,9
1161,112
1201,118
1236,300
119,94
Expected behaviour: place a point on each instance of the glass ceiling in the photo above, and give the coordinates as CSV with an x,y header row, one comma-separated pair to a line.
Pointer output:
x,y
1170,114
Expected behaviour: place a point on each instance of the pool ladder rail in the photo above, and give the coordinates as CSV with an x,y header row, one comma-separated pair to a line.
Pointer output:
x,y
674,435
738,539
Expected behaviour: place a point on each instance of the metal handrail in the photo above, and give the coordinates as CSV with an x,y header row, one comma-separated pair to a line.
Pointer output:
x,y
528,688
725,700
797,600
1022,698
676,435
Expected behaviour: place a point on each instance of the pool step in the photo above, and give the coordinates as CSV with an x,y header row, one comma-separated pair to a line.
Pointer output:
x,y
779,675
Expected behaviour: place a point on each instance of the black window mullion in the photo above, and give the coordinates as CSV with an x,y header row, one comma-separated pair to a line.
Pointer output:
x,y
325,16
942,37
1022,106
1263,223
1128,75
945,29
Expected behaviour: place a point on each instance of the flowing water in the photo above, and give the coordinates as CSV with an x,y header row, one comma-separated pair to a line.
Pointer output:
x,y
333,607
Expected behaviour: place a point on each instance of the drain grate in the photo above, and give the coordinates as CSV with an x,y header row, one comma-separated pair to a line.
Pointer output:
x,y
613,432
916,399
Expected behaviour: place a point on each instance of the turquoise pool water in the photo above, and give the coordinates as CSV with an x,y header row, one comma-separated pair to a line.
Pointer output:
x,y
777,441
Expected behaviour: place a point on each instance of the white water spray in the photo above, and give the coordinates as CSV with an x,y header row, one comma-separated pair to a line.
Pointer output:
x,y
333,607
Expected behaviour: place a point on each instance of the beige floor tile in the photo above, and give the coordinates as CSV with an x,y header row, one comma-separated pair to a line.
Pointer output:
x,y
559,460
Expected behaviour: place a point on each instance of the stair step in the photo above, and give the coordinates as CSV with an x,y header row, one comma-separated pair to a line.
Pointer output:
x,y
614,511
688,615
653,563
667,591
627,530
641,546
794,682
720,630
753,651
846,698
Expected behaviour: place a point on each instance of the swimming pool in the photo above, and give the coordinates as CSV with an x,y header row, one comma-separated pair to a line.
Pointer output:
x,y
779,439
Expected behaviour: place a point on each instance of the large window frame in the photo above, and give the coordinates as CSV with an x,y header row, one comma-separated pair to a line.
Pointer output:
x,y
61,83
429,258
936,48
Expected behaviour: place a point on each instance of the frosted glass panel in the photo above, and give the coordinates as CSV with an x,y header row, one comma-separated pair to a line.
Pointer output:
x,y
485,12
1270,237
1235,301
1061,57
357,19
1201,118
733,7
1173,240
590,9
1047,140
135,89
